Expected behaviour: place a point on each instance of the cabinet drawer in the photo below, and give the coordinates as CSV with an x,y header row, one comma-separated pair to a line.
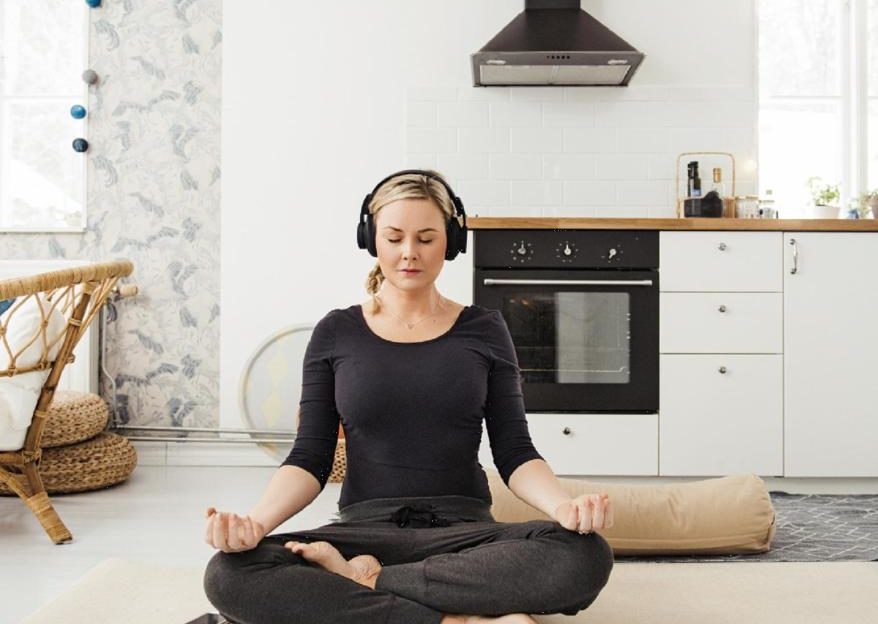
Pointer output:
x,y
721,261
715,424
592,444
721,323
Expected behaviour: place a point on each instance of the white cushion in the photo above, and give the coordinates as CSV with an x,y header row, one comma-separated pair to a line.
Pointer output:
x,y
19,393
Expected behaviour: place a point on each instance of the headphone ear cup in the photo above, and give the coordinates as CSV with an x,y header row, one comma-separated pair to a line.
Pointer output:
x,y
370,236
452,232
361,235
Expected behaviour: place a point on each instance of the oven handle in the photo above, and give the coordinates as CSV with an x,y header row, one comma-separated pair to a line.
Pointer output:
x,y
538,282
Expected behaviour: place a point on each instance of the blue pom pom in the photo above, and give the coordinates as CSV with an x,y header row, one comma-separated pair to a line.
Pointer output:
x,y
77,111
93,3
80,145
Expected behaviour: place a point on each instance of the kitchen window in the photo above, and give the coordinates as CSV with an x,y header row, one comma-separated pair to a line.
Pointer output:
x,y
818,98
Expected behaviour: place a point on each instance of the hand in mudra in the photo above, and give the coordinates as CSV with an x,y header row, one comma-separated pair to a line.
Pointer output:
x,y
586,513
230,532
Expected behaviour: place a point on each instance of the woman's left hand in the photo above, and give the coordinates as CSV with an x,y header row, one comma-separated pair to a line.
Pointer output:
x,y
586,513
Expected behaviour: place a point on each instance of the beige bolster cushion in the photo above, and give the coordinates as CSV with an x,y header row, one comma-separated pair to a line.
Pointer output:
x,y
726,515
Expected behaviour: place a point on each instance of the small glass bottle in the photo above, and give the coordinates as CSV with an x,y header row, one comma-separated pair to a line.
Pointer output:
x,y
718,185
693,180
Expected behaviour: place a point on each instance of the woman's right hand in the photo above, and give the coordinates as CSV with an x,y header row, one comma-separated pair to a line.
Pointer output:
x,y
230,532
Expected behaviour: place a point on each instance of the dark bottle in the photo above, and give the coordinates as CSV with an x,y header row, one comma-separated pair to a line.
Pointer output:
x,y
693,188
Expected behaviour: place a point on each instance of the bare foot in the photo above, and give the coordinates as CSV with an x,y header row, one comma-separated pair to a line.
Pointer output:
x,y
512,618
363,569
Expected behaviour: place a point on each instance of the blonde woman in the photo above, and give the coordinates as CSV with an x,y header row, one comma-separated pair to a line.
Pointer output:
x,y
411,375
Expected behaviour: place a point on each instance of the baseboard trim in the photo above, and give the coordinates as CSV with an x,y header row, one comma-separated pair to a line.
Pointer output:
x,y
207,454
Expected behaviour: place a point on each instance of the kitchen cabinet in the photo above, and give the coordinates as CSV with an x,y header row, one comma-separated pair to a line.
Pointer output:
x,y
592,444
721,353
830,354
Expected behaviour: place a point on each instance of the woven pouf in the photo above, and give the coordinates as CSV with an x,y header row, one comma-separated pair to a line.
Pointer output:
x,y
74,417
339,463
99,462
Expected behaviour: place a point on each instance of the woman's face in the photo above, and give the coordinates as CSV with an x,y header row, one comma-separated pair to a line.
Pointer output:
x,y
410,233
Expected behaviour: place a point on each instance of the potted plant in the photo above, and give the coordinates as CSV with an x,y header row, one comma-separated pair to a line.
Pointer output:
x,y
869,205
825,197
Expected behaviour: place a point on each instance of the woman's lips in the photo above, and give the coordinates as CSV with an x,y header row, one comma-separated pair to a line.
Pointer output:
x,y
405,272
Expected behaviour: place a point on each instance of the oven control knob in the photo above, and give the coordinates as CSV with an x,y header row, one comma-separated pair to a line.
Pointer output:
x,y
521,251
566,251
611,254
566,430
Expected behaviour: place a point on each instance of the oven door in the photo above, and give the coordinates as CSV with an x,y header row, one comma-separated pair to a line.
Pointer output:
x,y
586,340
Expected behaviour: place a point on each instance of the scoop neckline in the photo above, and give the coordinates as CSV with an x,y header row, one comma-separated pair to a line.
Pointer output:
x,y
454,325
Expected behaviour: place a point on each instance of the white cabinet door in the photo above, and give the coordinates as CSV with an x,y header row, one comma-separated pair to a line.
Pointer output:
x,y
830,354
721,322
721,414
720,261
592,444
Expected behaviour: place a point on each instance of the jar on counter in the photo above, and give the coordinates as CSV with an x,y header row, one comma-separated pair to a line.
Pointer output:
x,y
746,206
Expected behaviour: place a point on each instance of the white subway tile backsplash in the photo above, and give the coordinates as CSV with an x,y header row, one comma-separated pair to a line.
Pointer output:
x,y
420,161
590,140
569,166
643,140
483,140
661,166
431,139
589,194
516,166
631,114
539,140
536,94
577,151
510,114
642,193
568,114
621,167
461,166
482,94
524,193
420,114
462,114
432,94
578,212
478,194
622,212
616,94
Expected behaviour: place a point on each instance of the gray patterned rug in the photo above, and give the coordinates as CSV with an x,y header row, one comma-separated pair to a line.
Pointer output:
x,y
811,527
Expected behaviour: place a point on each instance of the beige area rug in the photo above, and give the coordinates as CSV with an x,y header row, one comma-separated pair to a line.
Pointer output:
x,y
119,590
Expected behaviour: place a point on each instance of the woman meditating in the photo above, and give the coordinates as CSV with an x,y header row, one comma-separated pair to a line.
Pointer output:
x,y
410,375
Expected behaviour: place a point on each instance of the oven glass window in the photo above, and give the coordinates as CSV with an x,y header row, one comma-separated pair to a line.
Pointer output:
x,y
571,337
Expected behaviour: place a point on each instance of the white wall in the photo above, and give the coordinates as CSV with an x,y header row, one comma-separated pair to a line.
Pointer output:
x,y
321,100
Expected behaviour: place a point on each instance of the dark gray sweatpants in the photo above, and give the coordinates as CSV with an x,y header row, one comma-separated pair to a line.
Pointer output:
x,y
475,566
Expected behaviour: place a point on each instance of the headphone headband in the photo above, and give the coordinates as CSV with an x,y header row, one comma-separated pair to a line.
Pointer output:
x,y
456,234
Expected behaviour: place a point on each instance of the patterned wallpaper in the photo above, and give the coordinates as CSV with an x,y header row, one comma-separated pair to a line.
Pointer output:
x,y
154,198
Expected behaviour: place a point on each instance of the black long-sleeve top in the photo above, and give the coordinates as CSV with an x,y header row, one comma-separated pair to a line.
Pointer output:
x,y
412,412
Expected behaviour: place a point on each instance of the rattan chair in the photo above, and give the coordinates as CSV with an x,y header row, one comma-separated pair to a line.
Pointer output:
x,y
78,294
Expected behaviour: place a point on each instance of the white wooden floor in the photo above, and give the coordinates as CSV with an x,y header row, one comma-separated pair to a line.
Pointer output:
x,y
157,516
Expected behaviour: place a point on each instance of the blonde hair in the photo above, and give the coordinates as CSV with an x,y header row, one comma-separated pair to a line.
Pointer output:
x,y
406,186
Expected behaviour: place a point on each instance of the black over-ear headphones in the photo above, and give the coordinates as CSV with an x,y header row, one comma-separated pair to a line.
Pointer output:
x,y
455,233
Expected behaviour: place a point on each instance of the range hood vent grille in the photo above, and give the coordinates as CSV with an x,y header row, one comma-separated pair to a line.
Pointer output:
x,y
554,42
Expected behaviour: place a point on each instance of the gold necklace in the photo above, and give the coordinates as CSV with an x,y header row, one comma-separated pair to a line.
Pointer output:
x,y
407,324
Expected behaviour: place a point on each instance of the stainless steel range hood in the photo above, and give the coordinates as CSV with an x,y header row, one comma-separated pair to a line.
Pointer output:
x,y
555,42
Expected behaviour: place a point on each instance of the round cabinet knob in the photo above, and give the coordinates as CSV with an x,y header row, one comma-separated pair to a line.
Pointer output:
x,y
722,308
722,246
80,145
566,431
77,111
89,76
723,370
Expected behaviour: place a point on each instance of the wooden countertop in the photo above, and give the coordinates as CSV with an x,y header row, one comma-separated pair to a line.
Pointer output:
x,y
574,223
